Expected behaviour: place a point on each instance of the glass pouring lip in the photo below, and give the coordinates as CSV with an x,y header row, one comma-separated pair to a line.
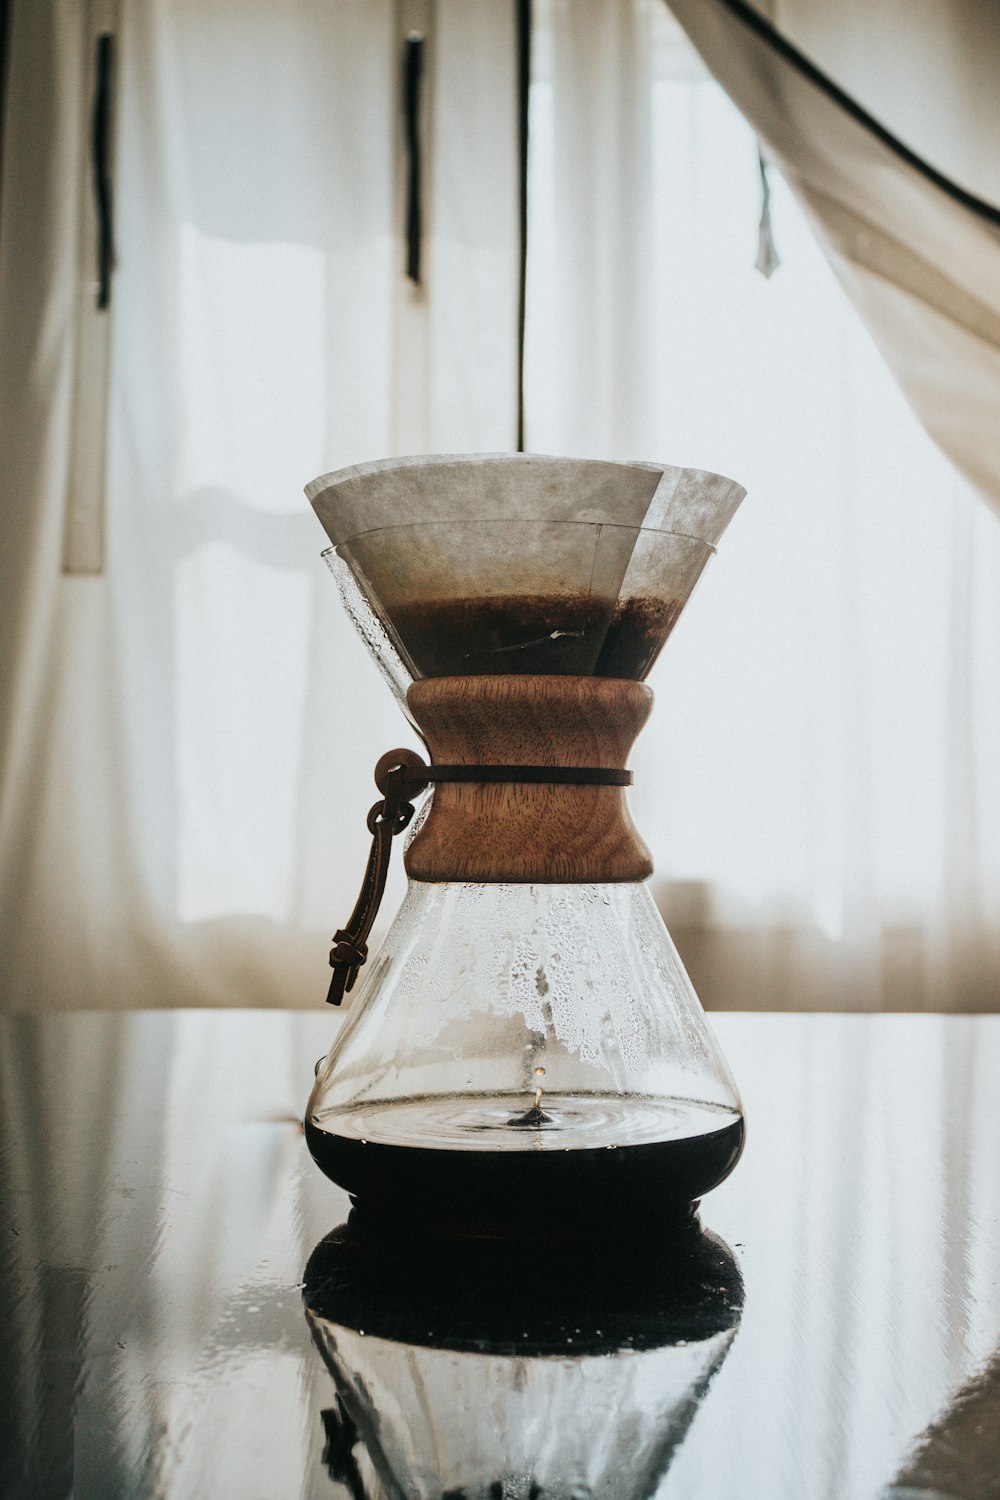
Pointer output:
x,y
513,521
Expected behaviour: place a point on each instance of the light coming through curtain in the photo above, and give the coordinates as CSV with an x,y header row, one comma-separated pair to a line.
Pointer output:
x,y
188,738
819,784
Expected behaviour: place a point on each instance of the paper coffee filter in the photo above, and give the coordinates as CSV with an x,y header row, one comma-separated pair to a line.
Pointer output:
x,y
529,486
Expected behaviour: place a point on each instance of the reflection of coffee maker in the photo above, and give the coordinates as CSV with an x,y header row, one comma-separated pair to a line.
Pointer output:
x,y
467,1372
525,1051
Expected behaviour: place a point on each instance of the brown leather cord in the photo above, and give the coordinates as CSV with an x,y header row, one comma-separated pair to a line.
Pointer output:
x,y
385,820
399,775
415,781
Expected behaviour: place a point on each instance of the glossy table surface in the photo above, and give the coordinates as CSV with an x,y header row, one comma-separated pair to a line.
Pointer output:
x,y
158,1210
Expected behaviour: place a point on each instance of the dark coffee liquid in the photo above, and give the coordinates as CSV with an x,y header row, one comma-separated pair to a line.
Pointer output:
x,y
560,634
518,1193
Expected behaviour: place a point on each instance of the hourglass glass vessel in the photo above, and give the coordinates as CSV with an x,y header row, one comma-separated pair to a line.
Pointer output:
x,y
525,1054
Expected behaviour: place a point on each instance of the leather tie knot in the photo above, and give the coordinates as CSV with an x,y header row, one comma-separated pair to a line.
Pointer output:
x,y
347,951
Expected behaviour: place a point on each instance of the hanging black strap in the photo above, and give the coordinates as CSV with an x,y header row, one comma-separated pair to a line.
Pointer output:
x,y
400,775
413,72
524,22
100,150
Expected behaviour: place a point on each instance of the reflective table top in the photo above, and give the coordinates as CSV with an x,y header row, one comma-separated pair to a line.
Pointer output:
x,y
176,1321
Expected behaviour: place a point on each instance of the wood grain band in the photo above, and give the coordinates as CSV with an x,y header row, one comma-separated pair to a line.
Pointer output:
x,y
518,832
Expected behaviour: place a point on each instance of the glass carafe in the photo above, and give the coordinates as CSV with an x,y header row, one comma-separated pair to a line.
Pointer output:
x,y
525,1051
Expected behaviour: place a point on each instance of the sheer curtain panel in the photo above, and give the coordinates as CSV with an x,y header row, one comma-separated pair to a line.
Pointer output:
x,y
189,737
916,250
819,785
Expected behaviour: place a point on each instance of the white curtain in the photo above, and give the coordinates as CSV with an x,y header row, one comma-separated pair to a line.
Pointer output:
x,y
819,783
188,739
927,70
919,256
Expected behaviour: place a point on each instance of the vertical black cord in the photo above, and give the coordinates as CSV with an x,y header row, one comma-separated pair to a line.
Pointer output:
x,y
5,9
413,70
523,95
100,145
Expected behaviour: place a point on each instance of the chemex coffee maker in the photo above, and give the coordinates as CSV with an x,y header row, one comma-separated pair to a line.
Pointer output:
x,y
524,1057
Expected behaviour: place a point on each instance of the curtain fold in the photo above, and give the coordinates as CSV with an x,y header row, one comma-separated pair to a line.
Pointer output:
x,y
926,70
919,256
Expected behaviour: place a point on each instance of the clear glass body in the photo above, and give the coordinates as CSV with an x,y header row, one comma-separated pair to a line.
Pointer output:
x,y
517,1053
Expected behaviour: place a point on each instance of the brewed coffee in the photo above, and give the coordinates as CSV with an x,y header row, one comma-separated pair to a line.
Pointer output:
x,y
496,1178
559,634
